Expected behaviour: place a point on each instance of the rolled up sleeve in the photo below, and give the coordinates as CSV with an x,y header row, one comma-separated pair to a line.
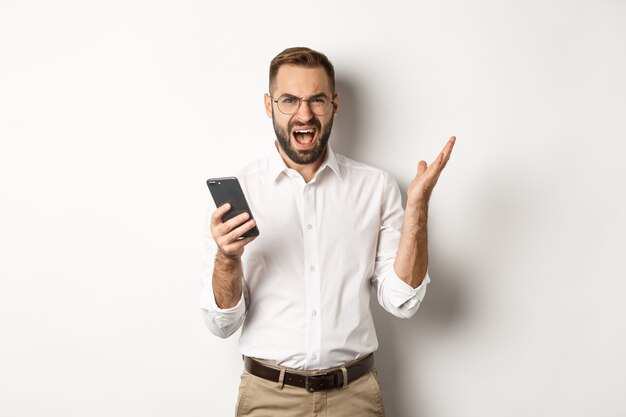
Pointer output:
x,y
222,322
399,298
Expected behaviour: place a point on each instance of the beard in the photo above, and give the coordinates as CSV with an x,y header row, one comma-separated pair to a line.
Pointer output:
x,y
303,157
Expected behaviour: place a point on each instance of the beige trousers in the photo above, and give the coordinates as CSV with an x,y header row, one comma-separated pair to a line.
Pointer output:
x,y
259,397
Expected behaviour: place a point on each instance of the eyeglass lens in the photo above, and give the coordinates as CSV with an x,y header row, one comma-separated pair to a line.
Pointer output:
x,y
287,104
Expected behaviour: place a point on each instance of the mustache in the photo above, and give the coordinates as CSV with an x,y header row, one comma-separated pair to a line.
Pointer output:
x,y
311,122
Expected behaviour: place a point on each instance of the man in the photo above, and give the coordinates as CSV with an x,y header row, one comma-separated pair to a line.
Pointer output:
x,y
331,230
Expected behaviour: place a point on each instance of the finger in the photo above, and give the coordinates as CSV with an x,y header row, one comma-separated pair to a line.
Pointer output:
x,y
442,159
244,241
236,233
447,150
219,229
421,167
233,242
216,218
235,222
223,229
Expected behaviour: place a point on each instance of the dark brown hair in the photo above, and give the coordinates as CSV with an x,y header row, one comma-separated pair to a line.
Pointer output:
x,y
302,57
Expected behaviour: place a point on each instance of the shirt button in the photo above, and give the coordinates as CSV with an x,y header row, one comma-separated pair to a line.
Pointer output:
x,y
308,226
314,356
314,312
312,269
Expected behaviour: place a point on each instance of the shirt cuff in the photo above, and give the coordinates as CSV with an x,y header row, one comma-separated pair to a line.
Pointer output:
x,y
231,310
225,317
405,296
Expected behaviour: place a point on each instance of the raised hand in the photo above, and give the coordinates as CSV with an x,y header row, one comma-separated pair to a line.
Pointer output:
x,y
421,187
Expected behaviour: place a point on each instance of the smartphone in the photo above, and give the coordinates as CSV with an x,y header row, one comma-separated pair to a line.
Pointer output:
x,y
227,190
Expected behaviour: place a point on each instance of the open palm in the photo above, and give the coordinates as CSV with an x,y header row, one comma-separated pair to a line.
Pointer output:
x,y
422,185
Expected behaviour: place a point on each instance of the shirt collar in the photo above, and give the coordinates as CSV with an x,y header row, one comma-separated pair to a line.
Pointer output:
x,y
277,165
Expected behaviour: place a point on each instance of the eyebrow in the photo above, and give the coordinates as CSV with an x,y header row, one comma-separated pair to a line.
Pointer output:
x,y
312,95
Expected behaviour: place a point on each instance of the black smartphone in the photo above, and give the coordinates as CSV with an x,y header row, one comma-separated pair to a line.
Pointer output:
x,y
227,190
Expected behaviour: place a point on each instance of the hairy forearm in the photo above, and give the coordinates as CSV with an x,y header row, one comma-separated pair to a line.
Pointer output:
x,y
411,261
227,275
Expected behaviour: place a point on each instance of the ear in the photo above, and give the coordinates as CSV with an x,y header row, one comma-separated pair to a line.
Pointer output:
x,y
268,105
336,103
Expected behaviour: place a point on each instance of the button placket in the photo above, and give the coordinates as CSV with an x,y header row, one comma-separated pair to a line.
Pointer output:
x,y
309,221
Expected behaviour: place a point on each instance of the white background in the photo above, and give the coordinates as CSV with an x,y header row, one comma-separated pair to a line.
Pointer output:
x,y
113,114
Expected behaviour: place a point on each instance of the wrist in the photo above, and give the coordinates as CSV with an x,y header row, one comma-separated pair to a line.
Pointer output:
x,y
415,219
417,206
224,257
227,263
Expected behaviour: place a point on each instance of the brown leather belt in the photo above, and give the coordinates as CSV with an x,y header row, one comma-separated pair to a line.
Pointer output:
x,y
311,383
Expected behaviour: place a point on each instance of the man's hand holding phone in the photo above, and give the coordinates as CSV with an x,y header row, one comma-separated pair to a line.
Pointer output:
x,y
232,224
228,235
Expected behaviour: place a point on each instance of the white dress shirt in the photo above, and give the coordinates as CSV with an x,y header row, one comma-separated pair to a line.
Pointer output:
x,y
308,277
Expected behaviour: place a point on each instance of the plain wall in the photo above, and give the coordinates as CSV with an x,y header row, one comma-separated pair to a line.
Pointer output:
x,y
113,114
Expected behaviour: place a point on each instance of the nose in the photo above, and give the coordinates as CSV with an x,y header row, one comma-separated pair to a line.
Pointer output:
x,y
304,111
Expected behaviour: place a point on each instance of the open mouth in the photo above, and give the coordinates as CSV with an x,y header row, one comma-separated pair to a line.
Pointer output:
x,y
304,137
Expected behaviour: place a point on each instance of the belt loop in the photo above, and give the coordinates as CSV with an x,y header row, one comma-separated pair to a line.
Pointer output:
x,y
344,371
281,379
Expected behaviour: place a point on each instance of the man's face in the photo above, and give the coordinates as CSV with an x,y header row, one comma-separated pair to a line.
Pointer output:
x,y
301,148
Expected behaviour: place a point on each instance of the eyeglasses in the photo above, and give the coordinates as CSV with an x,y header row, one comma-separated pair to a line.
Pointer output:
x,y
288,104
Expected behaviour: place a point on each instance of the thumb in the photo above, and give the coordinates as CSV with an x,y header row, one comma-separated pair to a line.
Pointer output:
x,y
421,167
